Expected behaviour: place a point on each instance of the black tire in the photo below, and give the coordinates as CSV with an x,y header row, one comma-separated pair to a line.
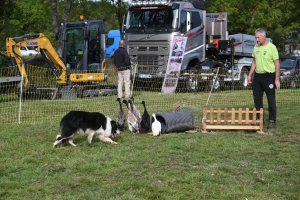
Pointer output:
x,y
142,84
181,85
30,93
156,84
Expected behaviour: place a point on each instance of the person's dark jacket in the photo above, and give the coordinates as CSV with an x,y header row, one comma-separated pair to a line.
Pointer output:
x,y
121,59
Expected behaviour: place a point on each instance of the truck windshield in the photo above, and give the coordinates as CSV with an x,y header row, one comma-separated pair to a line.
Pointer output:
x,y
287,63
152,17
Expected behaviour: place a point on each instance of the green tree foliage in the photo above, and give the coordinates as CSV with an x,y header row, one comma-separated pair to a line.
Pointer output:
x,y
279,18
6,7
24,17
33,16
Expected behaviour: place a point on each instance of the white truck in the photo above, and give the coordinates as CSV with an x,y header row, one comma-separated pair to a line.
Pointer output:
x,y
149,28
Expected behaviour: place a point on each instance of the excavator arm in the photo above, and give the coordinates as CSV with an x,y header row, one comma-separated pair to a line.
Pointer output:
x,y
46,49
72,82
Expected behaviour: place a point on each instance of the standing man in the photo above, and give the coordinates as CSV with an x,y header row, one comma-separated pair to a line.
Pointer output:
x,y
122,63
266,69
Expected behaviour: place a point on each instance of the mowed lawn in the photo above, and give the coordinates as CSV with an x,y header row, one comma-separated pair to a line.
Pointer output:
x,y
213,165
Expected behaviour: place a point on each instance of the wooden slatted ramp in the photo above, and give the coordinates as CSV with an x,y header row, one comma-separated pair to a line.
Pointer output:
x,y
232,119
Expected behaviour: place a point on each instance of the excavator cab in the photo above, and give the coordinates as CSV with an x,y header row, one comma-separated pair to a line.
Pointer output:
x,y
84,46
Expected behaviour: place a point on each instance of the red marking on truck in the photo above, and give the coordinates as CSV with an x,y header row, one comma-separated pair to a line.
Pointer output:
x,y
188,5
195,32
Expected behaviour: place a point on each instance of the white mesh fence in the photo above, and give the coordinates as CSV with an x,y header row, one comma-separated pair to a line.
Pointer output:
x,y
45,106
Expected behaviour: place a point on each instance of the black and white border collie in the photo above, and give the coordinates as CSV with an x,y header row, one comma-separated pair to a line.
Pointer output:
x,y
90,123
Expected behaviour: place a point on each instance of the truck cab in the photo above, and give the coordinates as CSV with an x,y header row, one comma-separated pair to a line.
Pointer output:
x,y
150,27
112,42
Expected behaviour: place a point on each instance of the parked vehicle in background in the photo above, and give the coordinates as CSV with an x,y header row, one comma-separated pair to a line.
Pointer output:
x,y
296,52
112,42
289,71
29,51
149,29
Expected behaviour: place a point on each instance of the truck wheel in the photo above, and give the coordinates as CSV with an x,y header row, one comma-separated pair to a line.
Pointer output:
x,y
156,84
30,93
140,84
243,79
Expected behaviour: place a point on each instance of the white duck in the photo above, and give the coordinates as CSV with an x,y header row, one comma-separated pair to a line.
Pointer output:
x,y
156,126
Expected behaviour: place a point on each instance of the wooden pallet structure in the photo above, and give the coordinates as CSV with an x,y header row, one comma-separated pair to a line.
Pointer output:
x,y
232,119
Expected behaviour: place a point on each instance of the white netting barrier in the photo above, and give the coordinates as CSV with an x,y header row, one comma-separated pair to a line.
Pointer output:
x,y
46,106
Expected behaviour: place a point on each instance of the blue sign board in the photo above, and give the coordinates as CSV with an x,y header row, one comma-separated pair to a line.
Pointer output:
x,y
31,43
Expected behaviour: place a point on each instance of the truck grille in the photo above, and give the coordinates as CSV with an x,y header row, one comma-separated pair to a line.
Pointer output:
x,y
147,70
148,59
153,48
147,49
142,49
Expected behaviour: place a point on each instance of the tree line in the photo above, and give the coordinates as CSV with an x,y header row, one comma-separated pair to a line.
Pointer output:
x,y
278,18
35,16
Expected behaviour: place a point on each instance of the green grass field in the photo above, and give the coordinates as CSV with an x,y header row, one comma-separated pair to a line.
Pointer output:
x,y
215,165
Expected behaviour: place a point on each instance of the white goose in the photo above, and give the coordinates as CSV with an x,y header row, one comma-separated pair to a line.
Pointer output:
x,y
156,126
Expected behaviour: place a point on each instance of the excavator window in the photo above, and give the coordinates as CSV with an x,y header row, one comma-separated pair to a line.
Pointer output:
x,y
84,45
74,49
94,49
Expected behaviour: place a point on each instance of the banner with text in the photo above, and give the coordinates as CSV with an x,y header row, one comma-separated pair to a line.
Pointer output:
x,y
174,65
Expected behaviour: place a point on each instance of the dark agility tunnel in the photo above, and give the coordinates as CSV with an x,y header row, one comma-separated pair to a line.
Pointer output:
x,y
175,122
